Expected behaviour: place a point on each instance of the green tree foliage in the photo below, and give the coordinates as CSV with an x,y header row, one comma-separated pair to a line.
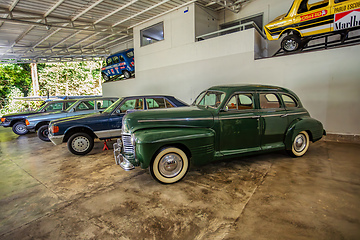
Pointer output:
x,y
12,75
57,79
70,78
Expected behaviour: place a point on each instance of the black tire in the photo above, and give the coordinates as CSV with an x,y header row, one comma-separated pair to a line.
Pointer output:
x,y
80,143
127,74
170,165
20,128
43,133
105,77
300,144
291,43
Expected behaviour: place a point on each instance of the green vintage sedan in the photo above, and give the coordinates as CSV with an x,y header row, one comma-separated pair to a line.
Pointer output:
x,y
223,122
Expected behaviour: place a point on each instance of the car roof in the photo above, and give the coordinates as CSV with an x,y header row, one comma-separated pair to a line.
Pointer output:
x,y
249,87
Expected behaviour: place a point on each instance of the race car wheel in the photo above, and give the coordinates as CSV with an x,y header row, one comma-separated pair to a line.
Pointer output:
x,y
127,74
43,133
105,77
20,128
170,165
291,43
80,143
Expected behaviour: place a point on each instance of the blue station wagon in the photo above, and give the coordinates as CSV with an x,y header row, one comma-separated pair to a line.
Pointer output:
x,y
121,63
83,106
80,131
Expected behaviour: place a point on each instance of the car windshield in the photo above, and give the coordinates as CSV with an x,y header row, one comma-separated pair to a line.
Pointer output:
x,y
211,99
68,109
44,105
113,106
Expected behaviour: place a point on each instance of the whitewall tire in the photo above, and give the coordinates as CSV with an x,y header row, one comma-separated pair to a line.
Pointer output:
x,y
300,144
170,165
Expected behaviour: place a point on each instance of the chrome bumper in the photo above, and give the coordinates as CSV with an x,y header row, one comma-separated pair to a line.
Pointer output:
x,y
119,158
56,139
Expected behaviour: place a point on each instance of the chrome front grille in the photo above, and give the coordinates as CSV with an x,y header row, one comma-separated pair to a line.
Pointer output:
x,y
128,148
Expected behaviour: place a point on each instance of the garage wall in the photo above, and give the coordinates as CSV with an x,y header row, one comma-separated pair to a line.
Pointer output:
x,y
327,82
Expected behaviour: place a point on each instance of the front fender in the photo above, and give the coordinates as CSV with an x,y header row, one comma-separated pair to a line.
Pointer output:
x,y
197,143
312,126
77,128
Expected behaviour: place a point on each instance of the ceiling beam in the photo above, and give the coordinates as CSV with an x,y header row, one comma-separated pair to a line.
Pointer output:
x,y
139,13
117,10
161,14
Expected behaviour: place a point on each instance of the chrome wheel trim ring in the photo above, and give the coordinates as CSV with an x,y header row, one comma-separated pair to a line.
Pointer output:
x,y
300,143
80,144
21,128
170,165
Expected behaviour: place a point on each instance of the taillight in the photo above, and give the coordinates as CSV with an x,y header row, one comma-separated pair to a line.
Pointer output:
x,y
54,129
3,119
27,122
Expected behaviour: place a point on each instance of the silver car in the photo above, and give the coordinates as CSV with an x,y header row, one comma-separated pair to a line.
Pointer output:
x,y
84,106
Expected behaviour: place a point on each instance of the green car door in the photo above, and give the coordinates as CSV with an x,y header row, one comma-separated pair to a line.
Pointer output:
x,y
274,121
239,125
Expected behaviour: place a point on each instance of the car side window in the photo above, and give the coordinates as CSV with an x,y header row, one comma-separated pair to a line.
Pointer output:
x,y
68,104
269,100
103,104
108,62
85,105
154,103
121,58
240,101
56,106
115,60
132,104
168,104
289,101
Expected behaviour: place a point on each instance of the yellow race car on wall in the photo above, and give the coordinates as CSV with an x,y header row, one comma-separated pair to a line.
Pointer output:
x,y
312,17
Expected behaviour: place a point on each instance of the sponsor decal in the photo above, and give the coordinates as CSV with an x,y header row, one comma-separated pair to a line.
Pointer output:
x,y
347,7
347,19
112,70
313,15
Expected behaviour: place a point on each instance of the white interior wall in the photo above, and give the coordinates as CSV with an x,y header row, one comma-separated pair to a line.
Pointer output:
x,y
327,82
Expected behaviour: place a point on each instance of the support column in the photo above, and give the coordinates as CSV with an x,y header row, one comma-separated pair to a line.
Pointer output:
x,y
34,78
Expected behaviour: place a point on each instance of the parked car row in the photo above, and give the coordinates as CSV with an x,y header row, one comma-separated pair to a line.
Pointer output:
x,y
223,122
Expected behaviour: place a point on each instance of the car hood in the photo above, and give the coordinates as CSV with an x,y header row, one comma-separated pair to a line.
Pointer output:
x,y
79,118
45,115
17,115
175,117
281,17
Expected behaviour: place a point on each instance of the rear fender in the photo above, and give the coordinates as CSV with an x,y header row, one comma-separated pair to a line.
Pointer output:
x,y
197,143
312,126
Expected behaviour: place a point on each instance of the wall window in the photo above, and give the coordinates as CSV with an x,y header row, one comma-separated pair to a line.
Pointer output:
x,y
152,34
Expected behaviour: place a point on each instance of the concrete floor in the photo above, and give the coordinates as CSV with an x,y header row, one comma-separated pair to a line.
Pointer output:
x,y
48,193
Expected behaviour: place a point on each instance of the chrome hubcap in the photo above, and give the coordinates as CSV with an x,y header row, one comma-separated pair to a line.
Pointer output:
x,y
80,144
21,128
300,143
170,165
290,45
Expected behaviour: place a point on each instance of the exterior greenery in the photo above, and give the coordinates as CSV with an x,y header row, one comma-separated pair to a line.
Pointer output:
x,y
67,78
